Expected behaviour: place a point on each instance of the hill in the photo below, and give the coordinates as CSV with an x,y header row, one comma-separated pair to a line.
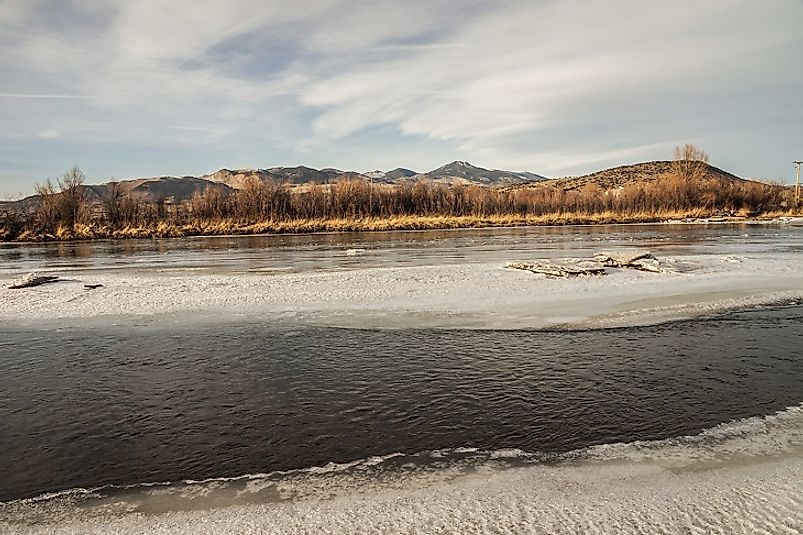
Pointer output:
x,y
399,172
151,190
460,172
291,175
161,188
391,177
623,175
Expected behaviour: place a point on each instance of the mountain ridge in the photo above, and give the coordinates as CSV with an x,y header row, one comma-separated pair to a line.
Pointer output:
x,y
181,188
178,189
451,173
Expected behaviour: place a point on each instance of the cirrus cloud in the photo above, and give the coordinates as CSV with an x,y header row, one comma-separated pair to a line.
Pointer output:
x,y
153,86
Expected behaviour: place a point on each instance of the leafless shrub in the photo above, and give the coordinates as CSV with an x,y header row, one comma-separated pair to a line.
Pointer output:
x,y
72,197
690,162
49,211
112,201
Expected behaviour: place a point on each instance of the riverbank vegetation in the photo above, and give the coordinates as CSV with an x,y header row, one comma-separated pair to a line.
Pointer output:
x,y
64,211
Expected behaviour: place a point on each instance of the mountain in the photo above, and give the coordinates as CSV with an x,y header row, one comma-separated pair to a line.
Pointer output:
x,y
237,178
155,189
304,175
291,175
24,205
399,172
623,175
390,177
460,172
452,173
161,188
178,189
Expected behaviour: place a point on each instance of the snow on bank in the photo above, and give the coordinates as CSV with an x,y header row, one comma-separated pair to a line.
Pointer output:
x,y
484,295
764,498
740,477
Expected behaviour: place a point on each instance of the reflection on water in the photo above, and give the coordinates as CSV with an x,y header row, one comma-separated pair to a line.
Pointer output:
x,y
327,251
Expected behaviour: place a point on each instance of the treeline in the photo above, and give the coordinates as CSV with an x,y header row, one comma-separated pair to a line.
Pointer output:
x,y
357,199
66,211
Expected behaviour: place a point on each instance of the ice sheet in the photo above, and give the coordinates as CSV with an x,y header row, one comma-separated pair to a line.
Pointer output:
x,y
470,295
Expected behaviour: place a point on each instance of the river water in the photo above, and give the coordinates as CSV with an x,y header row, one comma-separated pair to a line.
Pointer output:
x,y
125,406
323,252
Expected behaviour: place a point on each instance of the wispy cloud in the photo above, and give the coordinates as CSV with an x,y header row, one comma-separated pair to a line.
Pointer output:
x,y
547,86
39,95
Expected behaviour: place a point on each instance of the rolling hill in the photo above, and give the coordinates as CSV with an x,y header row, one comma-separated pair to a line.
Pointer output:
x,y
623,175
156,189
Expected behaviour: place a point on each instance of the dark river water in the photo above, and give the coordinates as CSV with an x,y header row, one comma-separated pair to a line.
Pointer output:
x,y
123,405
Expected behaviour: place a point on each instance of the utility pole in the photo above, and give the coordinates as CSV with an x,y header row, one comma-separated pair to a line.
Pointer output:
x,y
797,183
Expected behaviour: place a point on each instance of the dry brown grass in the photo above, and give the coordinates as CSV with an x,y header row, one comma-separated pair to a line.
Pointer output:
x,y
220,227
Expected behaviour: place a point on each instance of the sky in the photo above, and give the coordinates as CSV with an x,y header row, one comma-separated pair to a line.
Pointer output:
x,y
137,88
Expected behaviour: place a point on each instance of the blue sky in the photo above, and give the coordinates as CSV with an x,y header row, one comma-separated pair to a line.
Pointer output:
x,y
140,88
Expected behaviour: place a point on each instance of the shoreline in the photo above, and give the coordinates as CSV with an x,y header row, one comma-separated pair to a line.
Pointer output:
x,y
662,451
230,228
733,464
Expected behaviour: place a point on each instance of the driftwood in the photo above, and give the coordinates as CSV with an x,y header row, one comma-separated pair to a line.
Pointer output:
x,y
558,271
92,286
642,261
30,280
621,259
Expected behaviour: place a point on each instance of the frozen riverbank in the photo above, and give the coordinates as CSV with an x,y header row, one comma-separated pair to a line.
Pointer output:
x,y
476,295
193,359
740,477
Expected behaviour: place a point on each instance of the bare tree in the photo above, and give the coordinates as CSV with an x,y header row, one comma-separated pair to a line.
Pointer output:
x,y
690,162
73,196
251,201
113,202
49,210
